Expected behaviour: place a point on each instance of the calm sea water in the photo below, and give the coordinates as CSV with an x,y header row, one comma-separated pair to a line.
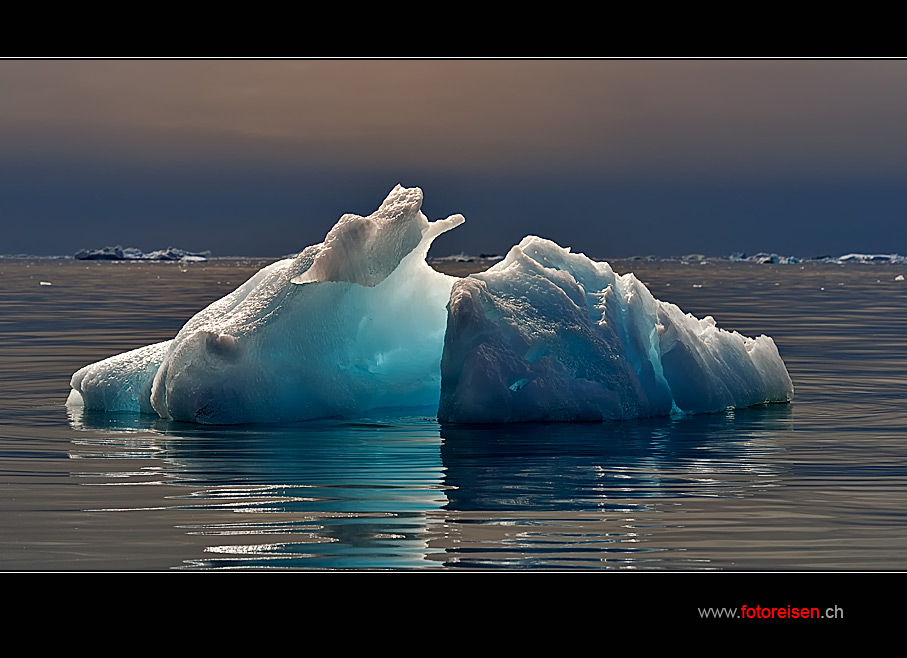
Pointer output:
x,y
817,484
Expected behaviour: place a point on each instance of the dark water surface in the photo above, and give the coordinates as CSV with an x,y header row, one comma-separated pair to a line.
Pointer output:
x,y
817,484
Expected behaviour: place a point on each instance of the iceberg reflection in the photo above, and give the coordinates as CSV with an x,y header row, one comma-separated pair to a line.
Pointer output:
x,y
406,492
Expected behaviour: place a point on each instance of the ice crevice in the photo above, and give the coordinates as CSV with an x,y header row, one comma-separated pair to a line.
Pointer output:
x,y
362,322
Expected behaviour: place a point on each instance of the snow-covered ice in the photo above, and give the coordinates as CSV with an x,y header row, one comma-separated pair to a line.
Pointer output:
x,y
360,321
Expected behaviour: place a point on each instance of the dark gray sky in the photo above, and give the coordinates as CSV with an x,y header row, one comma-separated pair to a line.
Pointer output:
x,y
613,158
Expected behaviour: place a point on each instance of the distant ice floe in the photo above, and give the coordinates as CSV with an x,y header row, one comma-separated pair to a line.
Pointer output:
x,y
466,258
361,322
763,258
131,253
869,258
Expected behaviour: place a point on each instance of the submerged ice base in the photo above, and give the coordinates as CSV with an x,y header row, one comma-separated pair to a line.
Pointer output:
x,y
360,322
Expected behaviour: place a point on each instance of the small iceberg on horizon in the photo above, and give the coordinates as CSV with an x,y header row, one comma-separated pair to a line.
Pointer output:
x,y
131,253
362,322
764,258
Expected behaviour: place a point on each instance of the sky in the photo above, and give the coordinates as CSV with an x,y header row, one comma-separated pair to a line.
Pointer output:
x,y
613,158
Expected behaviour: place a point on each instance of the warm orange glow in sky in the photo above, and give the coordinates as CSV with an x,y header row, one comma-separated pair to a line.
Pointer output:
x,y
758,117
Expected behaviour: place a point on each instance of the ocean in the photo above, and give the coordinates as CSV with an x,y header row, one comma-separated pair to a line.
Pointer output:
x,y
818,484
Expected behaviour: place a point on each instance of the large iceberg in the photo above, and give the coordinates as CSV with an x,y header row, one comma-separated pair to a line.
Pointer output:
x,y
360,322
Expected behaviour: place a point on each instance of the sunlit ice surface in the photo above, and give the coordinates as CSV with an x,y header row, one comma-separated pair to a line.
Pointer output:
x,y
354,323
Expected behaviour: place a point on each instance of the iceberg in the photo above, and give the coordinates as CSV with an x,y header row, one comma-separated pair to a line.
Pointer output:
x,y
131,253
353,323
549,335
361,322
